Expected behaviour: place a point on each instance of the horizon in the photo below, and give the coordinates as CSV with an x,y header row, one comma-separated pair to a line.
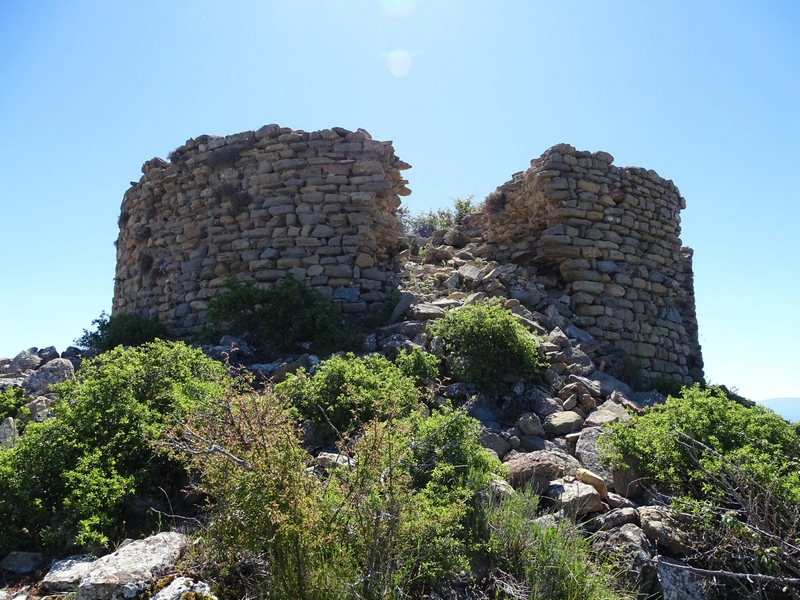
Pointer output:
x,y
705,95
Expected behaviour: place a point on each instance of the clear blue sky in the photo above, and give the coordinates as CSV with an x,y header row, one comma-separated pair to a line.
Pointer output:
x,y
706,93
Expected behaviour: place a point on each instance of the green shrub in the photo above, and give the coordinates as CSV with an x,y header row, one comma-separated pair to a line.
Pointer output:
x,y
131,329
273,319
425,223
67,477
538,560
11,400
666,385
375,529
735,467
417,364
346,391
486,341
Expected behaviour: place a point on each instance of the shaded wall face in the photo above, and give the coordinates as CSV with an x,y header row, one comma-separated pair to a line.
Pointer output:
x,y
259,205
609,238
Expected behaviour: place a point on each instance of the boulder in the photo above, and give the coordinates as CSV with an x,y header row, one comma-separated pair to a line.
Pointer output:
x,y
131,569
592,479
540,467
588,453
676,582
614,519
329,460
55,371
65,575
425,312
574,497
22,563
27,359
608,412
627,481
661,526
492,441
609,384
650,398
184,585
561,423
47,354
544,406
529,424
630,549
8,432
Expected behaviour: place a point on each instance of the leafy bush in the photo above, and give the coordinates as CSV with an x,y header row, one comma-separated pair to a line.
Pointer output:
x,y
346,391
67,477
536,560
736,467
11,400
425,223
131,329
666,385
277,318
386,526
486,342
417,364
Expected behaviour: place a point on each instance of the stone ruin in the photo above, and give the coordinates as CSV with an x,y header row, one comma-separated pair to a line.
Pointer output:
x,y
602,241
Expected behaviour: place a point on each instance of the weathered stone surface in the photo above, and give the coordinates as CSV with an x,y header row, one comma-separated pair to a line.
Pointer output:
x,y
529,424
330,460
424,312
561,423
678,583
615,518
592,479
27,359
661,526
55,371
22,563
184,585
8,432
608,412
545,465
609,384
132,568
494,442
629,547
574,497
588,453
65,575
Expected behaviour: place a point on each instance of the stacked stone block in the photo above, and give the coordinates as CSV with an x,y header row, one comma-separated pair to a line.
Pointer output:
x,y
608,237
260,205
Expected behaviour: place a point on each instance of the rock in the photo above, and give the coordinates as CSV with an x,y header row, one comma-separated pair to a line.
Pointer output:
x,y
630,549
678,583
9,382
55,371
8,432
425,312
181,586
529,443
47,354
65,575
131,569
648,398
529,424
545,406
609,412
237,347
540,467
455,238
662,527
617,501
561,423
558,338
609,384
574,497
588,453
330,460
27,359
492,441
627,481
22,563
614,519
290,367
406,300
592,479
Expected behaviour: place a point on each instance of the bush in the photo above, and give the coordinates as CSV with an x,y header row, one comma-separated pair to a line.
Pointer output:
x,y
735,467
536,560
131,329
425,223
486,341
273,319
386,526
417,364
67,477
11,400
346,391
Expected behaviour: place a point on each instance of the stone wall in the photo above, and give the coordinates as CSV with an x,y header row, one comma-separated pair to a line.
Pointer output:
x,y
605,240
259,205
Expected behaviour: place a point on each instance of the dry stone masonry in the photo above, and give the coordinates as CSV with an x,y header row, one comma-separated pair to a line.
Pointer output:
x,y
608,238
601,242
259,205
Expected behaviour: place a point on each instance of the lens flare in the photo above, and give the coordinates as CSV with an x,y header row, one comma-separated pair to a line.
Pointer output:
x,y
399,62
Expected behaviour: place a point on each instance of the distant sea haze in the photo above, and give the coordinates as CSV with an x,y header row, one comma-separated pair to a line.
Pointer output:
x,y
788,408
